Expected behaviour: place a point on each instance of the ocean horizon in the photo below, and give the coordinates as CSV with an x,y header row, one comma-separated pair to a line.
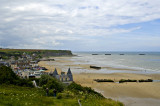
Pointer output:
x,y
143,62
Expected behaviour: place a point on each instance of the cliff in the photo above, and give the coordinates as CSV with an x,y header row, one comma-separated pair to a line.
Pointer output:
x,y
6,53
57,53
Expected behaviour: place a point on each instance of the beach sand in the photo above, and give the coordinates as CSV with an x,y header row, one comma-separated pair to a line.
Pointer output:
x,y
130,93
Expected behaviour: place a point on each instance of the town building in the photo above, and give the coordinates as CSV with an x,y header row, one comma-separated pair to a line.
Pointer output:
x,y
62,77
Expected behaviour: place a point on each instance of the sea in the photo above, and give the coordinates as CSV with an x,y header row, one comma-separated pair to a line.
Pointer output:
x,y
142,62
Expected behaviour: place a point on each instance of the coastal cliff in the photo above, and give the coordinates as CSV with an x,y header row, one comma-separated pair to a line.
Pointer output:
x,y
57,53
7,53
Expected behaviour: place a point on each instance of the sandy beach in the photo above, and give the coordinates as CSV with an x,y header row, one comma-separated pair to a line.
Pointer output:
x,y
130,93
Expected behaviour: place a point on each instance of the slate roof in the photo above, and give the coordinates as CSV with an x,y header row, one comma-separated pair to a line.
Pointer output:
x,y
69,72
55,72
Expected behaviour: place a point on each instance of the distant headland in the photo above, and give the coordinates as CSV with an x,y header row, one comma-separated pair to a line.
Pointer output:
x,y
40,52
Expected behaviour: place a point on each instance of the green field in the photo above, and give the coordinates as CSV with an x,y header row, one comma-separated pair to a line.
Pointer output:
x,y
11,95
15,95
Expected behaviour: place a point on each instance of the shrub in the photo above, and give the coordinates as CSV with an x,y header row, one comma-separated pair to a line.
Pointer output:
x,y
54,84
44,87
77,88
37,81
59,96
44,79
7,76
47,81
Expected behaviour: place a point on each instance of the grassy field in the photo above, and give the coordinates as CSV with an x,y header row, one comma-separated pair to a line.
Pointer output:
x,y
15,95
11,95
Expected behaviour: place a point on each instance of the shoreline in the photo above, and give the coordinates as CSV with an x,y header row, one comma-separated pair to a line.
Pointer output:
x,y
116,91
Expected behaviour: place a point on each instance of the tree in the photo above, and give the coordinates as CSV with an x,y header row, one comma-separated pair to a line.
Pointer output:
x,y
51,83
44,79
7,76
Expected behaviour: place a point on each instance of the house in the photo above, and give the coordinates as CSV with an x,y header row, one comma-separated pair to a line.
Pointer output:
x,y
13,64
62,77
37,74
3,63
12,58
25,74
34,63
25,56
24,64
29,57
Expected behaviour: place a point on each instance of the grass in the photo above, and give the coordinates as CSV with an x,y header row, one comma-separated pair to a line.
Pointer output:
x,y
103,102
95,101
23,96
11,95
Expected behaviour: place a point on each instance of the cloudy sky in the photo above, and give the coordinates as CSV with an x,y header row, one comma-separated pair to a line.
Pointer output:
x,y
81,25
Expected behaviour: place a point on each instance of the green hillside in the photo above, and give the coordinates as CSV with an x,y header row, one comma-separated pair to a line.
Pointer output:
x,y
15,91
11,95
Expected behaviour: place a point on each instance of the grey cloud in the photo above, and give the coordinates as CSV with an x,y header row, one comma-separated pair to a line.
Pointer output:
x,y
52,24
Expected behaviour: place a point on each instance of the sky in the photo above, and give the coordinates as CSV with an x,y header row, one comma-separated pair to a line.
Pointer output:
x,y
80,25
